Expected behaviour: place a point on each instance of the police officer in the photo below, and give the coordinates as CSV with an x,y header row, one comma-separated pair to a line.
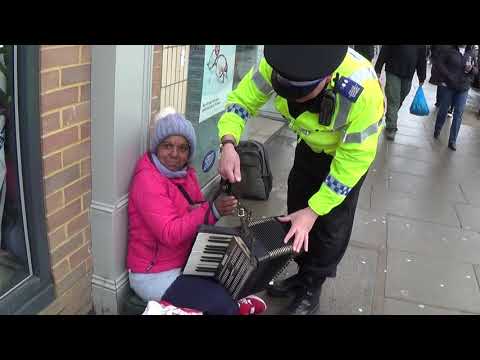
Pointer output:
x,y
332,99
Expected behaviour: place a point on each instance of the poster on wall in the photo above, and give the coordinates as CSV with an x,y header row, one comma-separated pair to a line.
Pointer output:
x,y
217,79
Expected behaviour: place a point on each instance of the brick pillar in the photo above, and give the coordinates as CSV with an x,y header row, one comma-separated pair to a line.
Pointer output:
x,y
121,106
65,122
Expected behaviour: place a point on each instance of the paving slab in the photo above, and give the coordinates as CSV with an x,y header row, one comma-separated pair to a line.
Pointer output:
x,y
364,198
430,281
398,307
426,187
413,141
419,131
471,190
401,204
352,291
413,152
401,124
437,241
370,228
261,129
414,167
469,216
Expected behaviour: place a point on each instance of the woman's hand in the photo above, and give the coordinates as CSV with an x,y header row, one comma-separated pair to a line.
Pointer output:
x,y
226,204
302,223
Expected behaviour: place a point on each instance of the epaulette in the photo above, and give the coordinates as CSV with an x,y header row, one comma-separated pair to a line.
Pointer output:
x,y
348,88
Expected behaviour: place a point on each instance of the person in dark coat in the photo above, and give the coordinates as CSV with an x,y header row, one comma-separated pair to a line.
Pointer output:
x,y
457,68
367,51
435,76
401,62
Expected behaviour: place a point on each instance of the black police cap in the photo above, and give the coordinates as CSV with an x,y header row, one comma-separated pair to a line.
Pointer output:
x,y
305,62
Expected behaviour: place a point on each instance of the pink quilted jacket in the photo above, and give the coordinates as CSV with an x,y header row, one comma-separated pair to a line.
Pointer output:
x,y
162,225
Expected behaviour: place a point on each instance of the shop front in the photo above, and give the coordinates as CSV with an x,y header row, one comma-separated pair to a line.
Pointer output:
x,y
74,119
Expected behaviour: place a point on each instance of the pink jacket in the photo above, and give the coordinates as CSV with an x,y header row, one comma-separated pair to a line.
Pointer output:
x,y
162,225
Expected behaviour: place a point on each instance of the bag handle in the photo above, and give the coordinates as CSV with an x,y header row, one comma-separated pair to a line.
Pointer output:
x,y
187,197
191,202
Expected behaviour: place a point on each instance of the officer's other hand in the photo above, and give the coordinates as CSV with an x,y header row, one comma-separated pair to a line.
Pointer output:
x,y
229,166
225,205
302,222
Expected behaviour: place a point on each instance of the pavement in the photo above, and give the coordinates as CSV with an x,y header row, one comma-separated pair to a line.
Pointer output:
x,y
415,246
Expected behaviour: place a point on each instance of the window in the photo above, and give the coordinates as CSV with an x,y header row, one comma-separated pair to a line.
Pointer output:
x,y
15,261
25,279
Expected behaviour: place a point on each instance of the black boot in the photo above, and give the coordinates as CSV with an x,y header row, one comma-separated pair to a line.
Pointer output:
x,y
285,287
307,298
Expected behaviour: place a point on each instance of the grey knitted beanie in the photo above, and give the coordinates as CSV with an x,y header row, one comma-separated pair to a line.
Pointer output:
x,y
167,123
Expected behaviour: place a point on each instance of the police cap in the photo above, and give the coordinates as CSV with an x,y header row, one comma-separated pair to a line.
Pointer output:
x,y
305,62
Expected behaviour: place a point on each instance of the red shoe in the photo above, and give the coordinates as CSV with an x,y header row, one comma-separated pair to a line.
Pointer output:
x,y
251,305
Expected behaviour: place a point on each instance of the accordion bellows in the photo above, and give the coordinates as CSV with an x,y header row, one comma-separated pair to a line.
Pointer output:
x,y
244,263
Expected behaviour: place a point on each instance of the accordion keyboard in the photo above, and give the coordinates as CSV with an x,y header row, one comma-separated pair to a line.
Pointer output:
x,y
207,254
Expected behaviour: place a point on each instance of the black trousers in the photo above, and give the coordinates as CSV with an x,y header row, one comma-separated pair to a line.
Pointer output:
x,y
330,234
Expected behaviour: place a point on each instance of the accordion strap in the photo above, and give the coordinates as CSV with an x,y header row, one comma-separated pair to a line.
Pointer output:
x,y
185,194
191,202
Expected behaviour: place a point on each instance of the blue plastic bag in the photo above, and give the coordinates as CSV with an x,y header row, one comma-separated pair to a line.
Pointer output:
x,y
419,105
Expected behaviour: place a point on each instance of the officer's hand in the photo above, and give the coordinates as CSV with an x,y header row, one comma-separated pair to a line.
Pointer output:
x,y
302,223
229,167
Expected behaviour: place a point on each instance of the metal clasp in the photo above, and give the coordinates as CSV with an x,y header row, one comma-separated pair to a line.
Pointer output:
x,y
241,212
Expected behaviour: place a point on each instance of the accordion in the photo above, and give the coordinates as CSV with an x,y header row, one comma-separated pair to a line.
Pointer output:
x,y
243,260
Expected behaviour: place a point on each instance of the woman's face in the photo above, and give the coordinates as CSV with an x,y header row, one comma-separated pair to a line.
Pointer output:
x,y
173,152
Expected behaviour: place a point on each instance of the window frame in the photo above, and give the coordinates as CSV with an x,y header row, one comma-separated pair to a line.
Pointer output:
x,y
37,291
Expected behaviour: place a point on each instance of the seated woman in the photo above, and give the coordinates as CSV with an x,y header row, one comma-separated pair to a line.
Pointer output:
x,y
165,209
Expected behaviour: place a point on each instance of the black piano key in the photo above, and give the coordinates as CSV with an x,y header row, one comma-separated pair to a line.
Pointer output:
x,y
214,252
211,258
213,247
205,269
219,238
210,261
219,241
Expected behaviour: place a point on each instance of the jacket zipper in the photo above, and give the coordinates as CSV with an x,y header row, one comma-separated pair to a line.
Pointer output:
x,y
150,266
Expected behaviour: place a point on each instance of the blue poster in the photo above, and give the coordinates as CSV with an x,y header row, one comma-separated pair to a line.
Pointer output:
x,y
217,79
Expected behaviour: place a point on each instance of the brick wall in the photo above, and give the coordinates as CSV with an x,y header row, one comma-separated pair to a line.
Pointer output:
x,y
65,118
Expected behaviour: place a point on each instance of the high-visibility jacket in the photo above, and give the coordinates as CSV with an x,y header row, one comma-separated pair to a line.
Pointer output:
x,y
351,138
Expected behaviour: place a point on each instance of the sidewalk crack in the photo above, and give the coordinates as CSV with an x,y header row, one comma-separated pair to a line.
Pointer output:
x,y
476,276
458,216
464,194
